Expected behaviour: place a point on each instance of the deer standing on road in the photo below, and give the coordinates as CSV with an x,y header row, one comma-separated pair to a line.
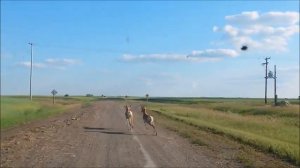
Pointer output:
x,y
148,119
129,116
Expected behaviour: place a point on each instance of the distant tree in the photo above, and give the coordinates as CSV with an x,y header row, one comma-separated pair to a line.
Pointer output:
x,y
89,95
66,95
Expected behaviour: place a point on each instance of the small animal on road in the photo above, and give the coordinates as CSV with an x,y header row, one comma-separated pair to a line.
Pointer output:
x,y
129,116
148,119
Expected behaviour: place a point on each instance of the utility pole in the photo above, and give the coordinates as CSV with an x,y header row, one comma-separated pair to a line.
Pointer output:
x,y
266,77
275,94
30,71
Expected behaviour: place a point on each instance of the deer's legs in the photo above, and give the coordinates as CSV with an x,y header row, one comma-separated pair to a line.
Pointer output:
x,y
154,129
145,125
131,122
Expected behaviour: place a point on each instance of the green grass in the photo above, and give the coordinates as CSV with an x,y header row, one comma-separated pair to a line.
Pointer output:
x,y
271,129
16,110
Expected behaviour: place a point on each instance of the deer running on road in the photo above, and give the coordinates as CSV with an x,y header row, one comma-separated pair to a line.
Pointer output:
x,y
148,119
129,116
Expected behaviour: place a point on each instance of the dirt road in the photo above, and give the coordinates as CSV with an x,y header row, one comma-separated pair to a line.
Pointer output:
x,y
98,136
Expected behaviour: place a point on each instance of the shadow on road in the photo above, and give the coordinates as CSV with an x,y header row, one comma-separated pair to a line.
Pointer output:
x,y
111,131
91,128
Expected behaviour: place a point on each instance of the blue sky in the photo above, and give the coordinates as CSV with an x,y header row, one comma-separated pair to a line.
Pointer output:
x,y
160,48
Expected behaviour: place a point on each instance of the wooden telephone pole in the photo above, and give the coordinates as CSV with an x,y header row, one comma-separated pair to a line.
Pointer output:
x,y
266,77
275,94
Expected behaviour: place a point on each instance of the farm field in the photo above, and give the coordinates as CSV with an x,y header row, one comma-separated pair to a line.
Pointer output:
x,y
195,132
249,121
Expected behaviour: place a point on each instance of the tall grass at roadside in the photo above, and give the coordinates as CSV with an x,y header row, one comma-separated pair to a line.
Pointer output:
x,y
272,129
18,110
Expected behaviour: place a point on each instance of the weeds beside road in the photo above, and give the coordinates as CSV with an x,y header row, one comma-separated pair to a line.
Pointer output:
x,y
268,128
17,110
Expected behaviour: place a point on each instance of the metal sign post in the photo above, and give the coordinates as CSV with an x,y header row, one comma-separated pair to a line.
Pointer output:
x,y
147,96
54,92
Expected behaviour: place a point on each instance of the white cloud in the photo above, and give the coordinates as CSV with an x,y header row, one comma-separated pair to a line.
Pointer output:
x,y
51,63
231,31
259,31
244,18
214,53
215,29
63,61
209,55
153,57
270,18
263,32
35,65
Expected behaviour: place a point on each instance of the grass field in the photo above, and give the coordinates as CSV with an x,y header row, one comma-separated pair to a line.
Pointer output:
x,y
17,110
250,121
